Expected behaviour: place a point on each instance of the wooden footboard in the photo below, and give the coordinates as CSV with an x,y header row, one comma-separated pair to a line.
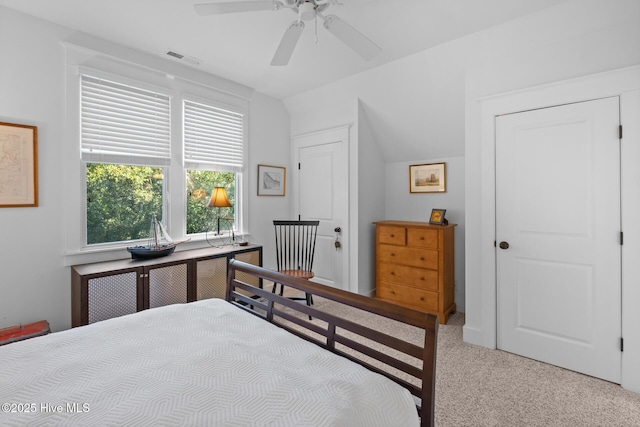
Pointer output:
x,y
412,365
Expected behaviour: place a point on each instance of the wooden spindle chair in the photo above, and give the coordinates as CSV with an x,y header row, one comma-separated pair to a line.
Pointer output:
x,y
295,249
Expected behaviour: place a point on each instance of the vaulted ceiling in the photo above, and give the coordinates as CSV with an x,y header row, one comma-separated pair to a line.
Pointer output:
x,y
240,46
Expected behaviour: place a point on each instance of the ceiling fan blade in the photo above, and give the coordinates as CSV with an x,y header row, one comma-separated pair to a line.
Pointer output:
x,y
351,37
288,43
236,7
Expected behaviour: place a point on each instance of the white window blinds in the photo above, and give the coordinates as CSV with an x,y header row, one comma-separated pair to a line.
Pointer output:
x,y
121,123
213,137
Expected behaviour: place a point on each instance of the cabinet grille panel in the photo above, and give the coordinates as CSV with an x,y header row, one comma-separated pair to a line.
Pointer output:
x,y
252,257
212,278
112,296
167,285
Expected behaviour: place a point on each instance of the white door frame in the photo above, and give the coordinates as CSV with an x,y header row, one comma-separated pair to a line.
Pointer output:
x,y
624,83
339,133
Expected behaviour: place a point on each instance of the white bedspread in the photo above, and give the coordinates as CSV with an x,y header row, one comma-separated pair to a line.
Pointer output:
x,y
201,364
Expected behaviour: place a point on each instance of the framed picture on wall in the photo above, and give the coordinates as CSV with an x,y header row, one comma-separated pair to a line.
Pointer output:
x,y
18,165
427,178
272,180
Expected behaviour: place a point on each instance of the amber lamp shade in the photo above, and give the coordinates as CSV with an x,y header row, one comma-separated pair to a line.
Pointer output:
x,y
219,200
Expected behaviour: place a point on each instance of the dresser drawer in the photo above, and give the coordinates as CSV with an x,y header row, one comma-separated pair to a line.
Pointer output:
x,y
423,238
392,235
423,258
405,295
411,276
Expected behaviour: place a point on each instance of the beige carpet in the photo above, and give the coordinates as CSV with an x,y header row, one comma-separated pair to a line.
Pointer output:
x,y
476,386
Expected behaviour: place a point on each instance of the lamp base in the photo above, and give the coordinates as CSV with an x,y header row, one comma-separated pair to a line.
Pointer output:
x,y
217,240
219,237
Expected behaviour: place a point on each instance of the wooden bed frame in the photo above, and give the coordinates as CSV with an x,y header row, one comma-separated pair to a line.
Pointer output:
x,y
294,317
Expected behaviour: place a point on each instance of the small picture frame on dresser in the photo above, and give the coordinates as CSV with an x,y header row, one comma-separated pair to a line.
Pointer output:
x,y
437,217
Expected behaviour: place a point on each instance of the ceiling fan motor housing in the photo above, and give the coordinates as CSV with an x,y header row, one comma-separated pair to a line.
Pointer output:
x,y
307,11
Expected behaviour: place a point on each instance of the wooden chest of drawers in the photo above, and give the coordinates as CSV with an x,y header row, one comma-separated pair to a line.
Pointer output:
x,y
415,266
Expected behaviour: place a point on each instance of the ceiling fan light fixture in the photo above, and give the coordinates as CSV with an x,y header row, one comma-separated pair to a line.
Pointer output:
x,y
307,11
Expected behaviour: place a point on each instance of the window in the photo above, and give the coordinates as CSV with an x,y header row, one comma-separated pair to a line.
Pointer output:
x,y
213,154
129,153
119,200
200,184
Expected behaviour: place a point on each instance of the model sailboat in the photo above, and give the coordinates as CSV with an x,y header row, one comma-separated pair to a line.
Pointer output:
x,y
159,244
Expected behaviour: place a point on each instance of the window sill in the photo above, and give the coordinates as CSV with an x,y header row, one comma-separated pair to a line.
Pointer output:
x,y
110,253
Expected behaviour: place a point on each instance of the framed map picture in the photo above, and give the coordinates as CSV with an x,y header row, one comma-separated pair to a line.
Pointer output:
x,y
272,180
18,165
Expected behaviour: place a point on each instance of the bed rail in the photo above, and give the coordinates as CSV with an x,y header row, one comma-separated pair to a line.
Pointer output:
x,y
411,365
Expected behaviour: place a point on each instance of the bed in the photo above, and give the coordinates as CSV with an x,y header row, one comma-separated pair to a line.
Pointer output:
x,y
255,358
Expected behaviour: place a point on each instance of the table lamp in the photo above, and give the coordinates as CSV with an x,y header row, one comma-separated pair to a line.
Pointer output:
x,y
219,200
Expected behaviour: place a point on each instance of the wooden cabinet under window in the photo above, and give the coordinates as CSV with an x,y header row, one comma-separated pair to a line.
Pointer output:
x,y
109,289
415,266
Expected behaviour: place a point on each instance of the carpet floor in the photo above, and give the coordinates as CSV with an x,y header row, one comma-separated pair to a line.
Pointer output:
x,y
476,386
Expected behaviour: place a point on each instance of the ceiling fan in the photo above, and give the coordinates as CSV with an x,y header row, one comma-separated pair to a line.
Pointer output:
x,y
306,10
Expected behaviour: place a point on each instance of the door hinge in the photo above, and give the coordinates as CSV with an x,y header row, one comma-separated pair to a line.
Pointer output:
x,y
298,165
495,244
621,238
621,344
620,131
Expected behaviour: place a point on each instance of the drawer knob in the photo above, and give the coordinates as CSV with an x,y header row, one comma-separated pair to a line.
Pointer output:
x,y
421,258
421,237
422,278
393,254
393,273
393,235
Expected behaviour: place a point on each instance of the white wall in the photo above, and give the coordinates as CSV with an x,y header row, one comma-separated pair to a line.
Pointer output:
x,y
581,38
405,206
371,173
440,87
410,111
35,283
379,190
607,36
269,145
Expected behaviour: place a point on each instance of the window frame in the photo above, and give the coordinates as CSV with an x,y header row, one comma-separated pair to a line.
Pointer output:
x,y
174,184
239,217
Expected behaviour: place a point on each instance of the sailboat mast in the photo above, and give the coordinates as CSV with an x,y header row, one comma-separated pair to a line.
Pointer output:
x,y
155,230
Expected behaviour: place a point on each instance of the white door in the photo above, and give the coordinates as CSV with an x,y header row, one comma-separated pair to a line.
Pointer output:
x,y
321,192
558,210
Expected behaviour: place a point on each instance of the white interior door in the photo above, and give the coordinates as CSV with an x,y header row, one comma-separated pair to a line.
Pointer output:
x,y
321,189
558,209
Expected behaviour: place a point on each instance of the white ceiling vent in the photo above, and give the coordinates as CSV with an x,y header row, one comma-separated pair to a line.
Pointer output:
x,y
185,58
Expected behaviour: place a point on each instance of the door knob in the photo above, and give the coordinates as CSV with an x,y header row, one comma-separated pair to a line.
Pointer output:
x,y
337,229
504,245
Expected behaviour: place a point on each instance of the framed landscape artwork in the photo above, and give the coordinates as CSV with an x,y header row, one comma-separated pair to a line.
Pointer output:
x,y
18,165
428,178
272,180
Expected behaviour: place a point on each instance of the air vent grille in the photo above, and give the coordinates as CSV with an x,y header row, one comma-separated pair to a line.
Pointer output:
x,y
175,54
185,58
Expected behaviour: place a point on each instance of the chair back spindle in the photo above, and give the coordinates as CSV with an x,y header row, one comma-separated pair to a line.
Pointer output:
x,y
295,244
